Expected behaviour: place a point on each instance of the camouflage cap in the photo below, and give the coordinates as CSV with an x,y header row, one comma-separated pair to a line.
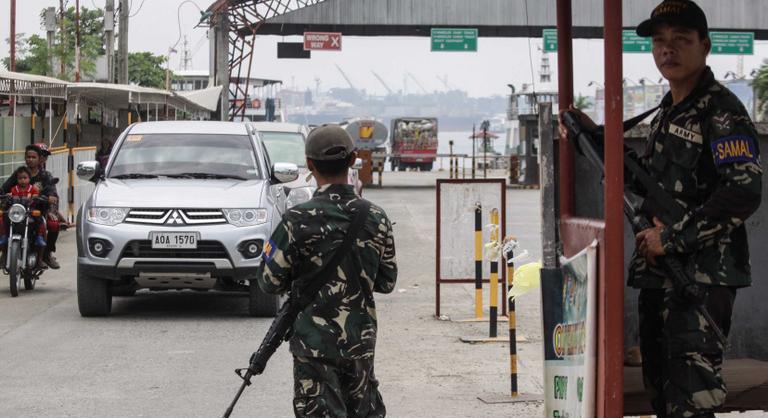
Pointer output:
x,y
329,142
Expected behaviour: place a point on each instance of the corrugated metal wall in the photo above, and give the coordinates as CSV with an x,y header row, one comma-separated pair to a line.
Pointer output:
x,y
733,14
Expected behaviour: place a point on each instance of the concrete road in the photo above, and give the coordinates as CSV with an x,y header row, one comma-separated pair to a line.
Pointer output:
x,y
173,354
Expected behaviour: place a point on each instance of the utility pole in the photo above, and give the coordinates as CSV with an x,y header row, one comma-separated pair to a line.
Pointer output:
x,y
61,34
122,44
13,36
50,30
77,41
109,35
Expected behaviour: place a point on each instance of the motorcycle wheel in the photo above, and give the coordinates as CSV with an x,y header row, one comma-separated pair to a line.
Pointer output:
x,y
13,268
29,281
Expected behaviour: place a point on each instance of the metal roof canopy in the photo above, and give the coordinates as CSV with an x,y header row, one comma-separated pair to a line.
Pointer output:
x,y
492,18
21,84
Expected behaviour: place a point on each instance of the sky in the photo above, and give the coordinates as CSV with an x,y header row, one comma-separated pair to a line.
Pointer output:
x,y
155,24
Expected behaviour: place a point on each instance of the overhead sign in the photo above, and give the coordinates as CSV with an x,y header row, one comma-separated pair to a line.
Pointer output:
x,y
631,42
454,39
292,50
322,41
733,43
550,40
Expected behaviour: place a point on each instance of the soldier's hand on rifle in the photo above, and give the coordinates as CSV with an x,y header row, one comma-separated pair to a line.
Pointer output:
x,y
585,120
648,242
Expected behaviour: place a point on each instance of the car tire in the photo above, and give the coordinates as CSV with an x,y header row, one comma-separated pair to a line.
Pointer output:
x,y
94,295
261,304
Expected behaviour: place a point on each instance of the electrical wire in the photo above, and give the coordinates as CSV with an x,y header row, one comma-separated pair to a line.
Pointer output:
x,y
530,60
137,11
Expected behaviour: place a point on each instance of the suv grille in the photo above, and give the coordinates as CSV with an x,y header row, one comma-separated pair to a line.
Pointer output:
x,y
175,217
205,249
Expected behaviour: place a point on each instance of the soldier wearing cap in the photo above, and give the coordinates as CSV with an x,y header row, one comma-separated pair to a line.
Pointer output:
x,y
333,338
703,151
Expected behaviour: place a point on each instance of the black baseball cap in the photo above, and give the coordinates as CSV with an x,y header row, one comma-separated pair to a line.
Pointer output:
x,y
329,142
684,13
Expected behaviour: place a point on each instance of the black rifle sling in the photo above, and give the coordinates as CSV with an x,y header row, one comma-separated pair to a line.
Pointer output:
x,y
665,202
318,280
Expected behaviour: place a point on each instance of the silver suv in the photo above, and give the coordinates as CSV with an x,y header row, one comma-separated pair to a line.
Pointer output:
x,y
180,205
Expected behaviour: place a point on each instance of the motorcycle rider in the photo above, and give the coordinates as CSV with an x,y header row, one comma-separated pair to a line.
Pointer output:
x,y
34,157
25,189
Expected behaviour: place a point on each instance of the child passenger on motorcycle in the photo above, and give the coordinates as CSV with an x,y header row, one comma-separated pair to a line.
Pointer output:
x,y
34,156
25,190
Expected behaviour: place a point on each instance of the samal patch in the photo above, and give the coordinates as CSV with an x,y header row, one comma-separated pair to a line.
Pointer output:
x,y
734,149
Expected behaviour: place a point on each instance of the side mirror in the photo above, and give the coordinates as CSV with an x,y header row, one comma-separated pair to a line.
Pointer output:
x,y
358,165
285,172
89,171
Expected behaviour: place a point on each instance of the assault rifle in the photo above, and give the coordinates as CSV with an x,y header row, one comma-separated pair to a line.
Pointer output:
x,y
299,298
638,211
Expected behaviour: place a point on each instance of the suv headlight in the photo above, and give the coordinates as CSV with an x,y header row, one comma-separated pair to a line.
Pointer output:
x,y
299,195
245,217
107,216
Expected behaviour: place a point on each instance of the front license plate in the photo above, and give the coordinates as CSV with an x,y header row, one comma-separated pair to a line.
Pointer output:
x,y
174,240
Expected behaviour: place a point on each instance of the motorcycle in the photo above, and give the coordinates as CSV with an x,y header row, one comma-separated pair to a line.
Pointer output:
x,y
21,264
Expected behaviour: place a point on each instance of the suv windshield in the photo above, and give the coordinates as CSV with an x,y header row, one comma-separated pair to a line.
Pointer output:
x,y
285,147
186,156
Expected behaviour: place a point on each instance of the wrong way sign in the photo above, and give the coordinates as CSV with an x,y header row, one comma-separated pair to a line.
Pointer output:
x,y
322,41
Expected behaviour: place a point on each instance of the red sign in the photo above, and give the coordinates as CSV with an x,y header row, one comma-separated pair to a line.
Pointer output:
x,y
322,41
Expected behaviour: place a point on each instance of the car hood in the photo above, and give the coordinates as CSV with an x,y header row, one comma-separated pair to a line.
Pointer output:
x,y
180,193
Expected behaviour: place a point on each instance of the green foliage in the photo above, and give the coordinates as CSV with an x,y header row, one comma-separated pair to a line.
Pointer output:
x,y
146,69
32,51
582,103
760,84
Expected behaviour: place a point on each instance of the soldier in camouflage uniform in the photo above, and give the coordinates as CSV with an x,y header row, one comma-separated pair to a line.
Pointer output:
x,y
334,337
703,152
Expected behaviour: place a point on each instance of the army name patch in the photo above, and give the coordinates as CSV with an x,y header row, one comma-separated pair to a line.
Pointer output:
x,y
269,251
686,134
734,149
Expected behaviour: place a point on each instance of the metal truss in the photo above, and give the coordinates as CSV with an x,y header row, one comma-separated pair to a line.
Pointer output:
x,y
245,17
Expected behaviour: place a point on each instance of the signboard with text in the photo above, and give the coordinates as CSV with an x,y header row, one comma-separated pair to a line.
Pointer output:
x,y
322,41
550,40
454,39
631,42
570,342
733,43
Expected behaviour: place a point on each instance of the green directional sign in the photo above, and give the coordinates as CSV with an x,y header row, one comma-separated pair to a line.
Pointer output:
x,y
733,43
454,39
630,42
550,40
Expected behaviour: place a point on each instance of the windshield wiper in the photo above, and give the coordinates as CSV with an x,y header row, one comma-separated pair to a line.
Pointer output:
x,y
134,176
205,176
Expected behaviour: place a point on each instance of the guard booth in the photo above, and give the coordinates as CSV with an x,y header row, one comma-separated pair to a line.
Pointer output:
x,y
587,208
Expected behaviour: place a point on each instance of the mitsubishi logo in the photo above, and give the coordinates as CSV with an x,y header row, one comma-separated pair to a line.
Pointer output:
x,y
175,218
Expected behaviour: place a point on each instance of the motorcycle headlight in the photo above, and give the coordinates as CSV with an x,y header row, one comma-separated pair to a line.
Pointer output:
x,y
299,195
245,217
107,216
17,213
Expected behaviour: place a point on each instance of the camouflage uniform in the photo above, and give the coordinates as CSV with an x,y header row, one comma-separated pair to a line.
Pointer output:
x,y
334,338
704,153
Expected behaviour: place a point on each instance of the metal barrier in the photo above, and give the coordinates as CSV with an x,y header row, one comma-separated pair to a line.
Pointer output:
x,y
80,190
58,165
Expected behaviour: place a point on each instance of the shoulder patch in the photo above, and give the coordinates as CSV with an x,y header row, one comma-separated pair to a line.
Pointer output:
x,y
734,149
269,251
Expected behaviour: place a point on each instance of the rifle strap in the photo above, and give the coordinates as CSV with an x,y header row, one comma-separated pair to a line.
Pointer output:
x,y
631,123
317,280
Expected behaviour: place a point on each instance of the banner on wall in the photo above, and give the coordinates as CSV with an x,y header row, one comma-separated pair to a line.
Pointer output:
x,y
570,329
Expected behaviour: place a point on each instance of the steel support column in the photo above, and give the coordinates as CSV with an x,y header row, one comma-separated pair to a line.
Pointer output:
x,y
565,93
611,287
